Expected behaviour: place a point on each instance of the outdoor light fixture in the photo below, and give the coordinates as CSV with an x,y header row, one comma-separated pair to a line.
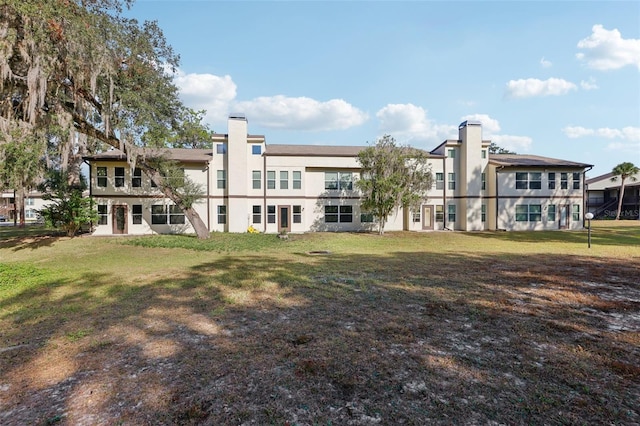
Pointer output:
x,y
589,216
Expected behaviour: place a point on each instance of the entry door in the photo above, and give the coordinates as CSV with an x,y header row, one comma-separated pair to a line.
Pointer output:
x,y
284,219
427,217
119,219
564,217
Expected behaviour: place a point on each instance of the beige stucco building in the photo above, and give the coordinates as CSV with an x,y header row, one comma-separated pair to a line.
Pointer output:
x,y
301,188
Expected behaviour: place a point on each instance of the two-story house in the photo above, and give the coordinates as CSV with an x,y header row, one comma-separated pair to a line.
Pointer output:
x,y
300,188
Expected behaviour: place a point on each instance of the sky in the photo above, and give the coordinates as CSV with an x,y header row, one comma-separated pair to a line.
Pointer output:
x,y
558,79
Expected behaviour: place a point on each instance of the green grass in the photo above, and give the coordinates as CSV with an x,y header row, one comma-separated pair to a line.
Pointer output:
x,y
420,328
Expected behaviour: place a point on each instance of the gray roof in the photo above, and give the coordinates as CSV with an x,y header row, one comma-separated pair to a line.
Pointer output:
x,y
519,160
188,155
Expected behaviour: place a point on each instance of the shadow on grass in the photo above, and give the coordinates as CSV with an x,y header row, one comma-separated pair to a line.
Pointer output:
x,y
415,338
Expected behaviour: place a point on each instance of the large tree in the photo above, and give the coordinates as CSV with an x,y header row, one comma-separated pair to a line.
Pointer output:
x,y
623,171
80,66
393,176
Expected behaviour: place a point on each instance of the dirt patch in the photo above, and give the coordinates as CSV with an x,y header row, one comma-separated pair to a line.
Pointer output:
x,y
360,341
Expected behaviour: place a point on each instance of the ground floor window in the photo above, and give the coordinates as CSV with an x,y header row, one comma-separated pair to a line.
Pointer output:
x,y
551,213
102,214
528,212
136,214
338,214
257,214
416,216
439,213
484,213
159,215
575,212
366,217
271,214
30,214
222,214
297,214
451,210
176,215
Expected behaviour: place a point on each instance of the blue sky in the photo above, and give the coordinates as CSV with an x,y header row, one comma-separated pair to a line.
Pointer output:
x,y
559,79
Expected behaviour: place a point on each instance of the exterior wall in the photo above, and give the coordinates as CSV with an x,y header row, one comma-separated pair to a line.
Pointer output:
x,y
566,201
261,190
146,196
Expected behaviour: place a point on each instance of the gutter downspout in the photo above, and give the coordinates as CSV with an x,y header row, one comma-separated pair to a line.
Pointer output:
x,y
498,169
445,183
264,188
209,197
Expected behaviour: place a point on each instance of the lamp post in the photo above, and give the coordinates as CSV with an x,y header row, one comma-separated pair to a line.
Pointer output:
x,y
589,216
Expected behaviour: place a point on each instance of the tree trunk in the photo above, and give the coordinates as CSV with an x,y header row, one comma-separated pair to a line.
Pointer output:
x,y
621,195
198,225
20,207
190,213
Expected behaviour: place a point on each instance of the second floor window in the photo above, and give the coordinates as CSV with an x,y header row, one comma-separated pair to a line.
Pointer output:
x,y
257,179
564,181
452,181
136,179
284,180
119,177
271,179
297,180
576,181
222,179
342,181
101,172
526,180
439,180
551,177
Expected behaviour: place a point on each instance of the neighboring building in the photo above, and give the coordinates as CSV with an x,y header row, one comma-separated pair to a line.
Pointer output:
x,y
299,188
32,203
602,197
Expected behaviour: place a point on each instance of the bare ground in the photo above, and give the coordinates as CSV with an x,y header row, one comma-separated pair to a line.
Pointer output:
x,y
408,338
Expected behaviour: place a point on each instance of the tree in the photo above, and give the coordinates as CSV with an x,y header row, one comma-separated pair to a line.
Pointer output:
x,y
22,167
69,209
82,67
625,171
392,177
495,149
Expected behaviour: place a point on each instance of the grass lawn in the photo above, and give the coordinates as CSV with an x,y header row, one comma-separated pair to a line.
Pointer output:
x,y
321,329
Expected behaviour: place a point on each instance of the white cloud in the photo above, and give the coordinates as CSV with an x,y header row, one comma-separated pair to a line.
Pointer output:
x,y
574,132
207,91
490,126
409,123
302,113
513,143
607,50
589,84
491,129
545,63
217,95
626,134
530,87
